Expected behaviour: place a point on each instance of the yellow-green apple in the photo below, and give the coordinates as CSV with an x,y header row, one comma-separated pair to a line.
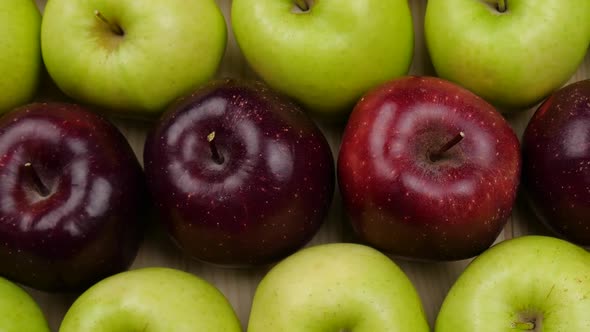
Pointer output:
x,y
19,311
337,287
325,54
512,53
153,299
556,162
132,58
20,52
428,170
531,283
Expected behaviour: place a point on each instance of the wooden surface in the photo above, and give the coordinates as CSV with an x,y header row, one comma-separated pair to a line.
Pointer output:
x,y
431,279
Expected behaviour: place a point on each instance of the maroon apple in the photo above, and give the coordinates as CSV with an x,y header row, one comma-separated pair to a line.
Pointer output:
x,y
72,194
556,162
428,170
241,176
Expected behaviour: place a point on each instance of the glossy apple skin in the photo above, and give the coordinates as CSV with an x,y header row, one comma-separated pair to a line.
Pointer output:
x,y
405,204
90,224
269,196
556,162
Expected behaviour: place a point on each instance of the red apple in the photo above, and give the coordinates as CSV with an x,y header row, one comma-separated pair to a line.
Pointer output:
x,y
556,162
428,170
72,196
240,175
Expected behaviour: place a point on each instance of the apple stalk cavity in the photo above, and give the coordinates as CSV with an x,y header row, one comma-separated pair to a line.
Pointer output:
x,y
450,144
36,181
302,6
527,326
115,28
217,157
502,6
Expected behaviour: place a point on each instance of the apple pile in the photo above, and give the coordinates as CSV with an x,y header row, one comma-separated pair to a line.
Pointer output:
x,y
240,174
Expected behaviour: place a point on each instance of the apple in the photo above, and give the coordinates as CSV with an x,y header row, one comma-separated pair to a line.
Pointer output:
x,y
19,311
337,287
556,162
531,283
154,299
132,58
428,170
325,54
240,175
512,53
20,52
72,197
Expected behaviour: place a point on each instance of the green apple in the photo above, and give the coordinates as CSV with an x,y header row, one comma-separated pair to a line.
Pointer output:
x,y
531,283
337,287
18,311
132,57
154,299
327,55
20,52
513,53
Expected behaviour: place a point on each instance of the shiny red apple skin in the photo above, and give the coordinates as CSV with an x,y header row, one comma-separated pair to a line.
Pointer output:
x,y
270,195
556,162
90,224
400,201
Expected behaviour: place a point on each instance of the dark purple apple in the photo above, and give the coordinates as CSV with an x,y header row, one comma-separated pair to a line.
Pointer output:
x,y
556,162
428,170
241,176
72,195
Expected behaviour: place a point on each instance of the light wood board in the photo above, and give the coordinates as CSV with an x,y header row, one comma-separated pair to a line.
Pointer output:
x,y
431,279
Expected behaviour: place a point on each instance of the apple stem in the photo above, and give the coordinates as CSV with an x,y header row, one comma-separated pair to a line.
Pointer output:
x,y
502,6
114,27
454,141
527,326
30,171
302,4
217,157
